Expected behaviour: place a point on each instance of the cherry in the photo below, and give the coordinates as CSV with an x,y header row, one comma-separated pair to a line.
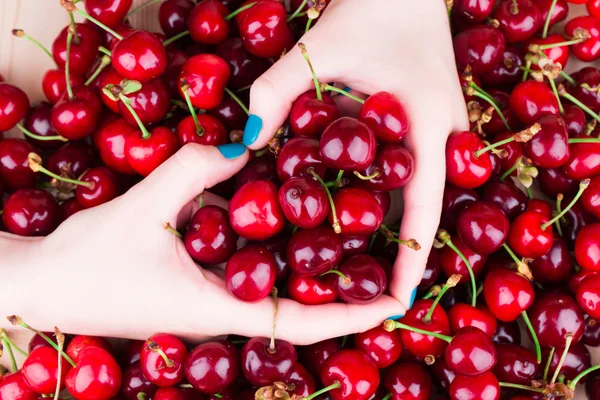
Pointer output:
x,y
206,75
554,181
421,345
303,381
382,347
245,68
110,140
298,155
357,212
347,144
314,251
556,265
258,169
408,381
264,363
553,316
72,160
210,238
38,122
584,161
451,263
353,245
531,100
364,280
135,383
207,23
313,356
277,246
110,12
587,295
559,12
555,54
175,393
549,148
464,315
230,113
254,211
38,341
392,168
162,360
250,273
577,277
516,364
264,30
13,387
592,386
75,118
40,370
483,387
519,19
589,49
54,83
351,375
139,56
443,374
469,12
312,290
591,333
101,187
83,52
464,168
454,201
303,202
14,104
507,333
471,352
212,131
80,342
150,103
310,116
591,198
146,151
528,235
483,227
432,271
30,212
480,47
131,352
539,206
507,294
173,14
385,115
588,78
14,165
574,118
96,376
576,361
496,124
587,247
506,73
212,367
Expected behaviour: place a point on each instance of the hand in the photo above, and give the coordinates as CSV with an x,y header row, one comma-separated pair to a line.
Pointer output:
x,y
401,47
114,271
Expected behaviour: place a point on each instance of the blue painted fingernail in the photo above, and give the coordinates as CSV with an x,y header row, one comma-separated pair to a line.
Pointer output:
x,y
232,150
412,298
252,129
347,89
395,317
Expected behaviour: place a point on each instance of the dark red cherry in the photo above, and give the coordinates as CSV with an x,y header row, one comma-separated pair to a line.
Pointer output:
x,y
175,393
210,238
303,381
212,131
592,385
313,356
408,381
574,118
103,187
353,245
577,277
357,211
131,352
110,12
110,140
40,370
584,161
507,294
250,273
96,376
507,72
553,316
264,29
527,237
482,387
472,12
365,280
144,155
14,104
310,116
421,345
161,372
77,117
72,159
80,342
589,49
314,251
258,169
173,14
454,201
559,12
38,341
357,374
254,211
519,19
134,383
483,227
139,56
206,22
442,374
30,212
591,198
392,168
312,290
298,155
382,347
14,166
588,296
463,168
230,114
481,47
451,263
150,103
38,121
512,201
385,115
263,365
516,364
549,148
591,332
588,78
496,125
554,181
463,315
303,202
432,271
54,84
532,100
513,150
555,266
277,246
471,352
347,144
576,361
507,333
13,387
206,75
212,367
83,52
245,68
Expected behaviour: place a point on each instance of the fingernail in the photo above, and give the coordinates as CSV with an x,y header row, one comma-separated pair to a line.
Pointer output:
x,y
395,317
232,150
412,298
252,129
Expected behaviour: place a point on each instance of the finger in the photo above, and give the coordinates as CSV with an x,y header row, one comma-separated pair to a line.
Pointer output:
x,y
349,107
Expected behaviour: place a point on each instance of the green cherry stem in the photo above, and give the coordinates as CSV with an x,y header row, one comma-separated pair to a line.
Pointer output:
x,y
338,178
511,253
104,50
576,380
318,89
529,194
167,227
584,140
334,385
142,396
509,171
445,238
387,396
308,24
496,108
368,177
237,100
390,325
555,91
185,87
218,396
127,103
35,164
450,283
560,44
240,10
526,70
104,62
534,338
141,7
559,198
432,292
68,62
548,362
100,24
582,186
4,336
568,341
563,93
32,135
567,77
60,339
336,223
11,355
155,348
523,387
298,11
175,38
21,33
328,88
548,18
343,277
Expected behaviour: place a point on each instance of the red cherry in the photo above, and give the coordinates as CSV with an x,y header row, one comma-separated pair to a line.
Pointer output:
x,y
135,383
507,333
213,132
558,54
310,116
576,361
588,295
559,12
507,294
14,165
482,387
72,160
13,387
303,202
250,273
30,212
421,345
161,372
245,68
527,237
587,247
462,315
206,76
516,364
591,198
40,370
230,114
463,168
263,365
574,118
454,201
469,12
314,251
591,333
207,23
442,373
144,155
139,56
408,381
150,103
519,20
577,277
549,148
83,52
382,347
553,316
357,211
451,263
173,14
531,100
554,181
587,78
96,376
314,355
589,49
312,290
210,238
298,155
496,125
365,280
254,211
109,12
80,342
353,245
69,207
38,121
303,381
347,144
14,104
554,266
483,227
277,247
103,187
481,47
584,161
110,140
357,375
539,206
506,73
392,168
212,367
385,115
471,352
258,169
54,84
77,117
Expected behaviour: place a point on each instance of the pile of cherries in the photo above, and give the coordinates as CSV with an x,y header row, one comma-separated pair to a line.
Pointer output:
x,y
311,205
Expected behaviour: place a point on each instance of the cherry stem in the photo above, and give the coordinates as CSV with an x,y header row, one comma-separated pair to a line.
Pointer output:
x,y
433,292
369,177
167,227
567,77
155,348
16,320
548,18
329,88
35,164
445,237
523,387
548,362
334,385
68,62
555,91
308,24
389,325
175,38
584,140
563,92
60,338
32,135
104,50
237,100
11,355
338,178
450,283
318,89
509,171
387,396
141,7
298,11
529,194
496,108
514,9
272,349
559,199
126,102
576,380
4,335
185,87
240,10
336,223
568,340
344,278
218,396
142,396
21,33
391,236
511,253
534,338
526,70
100,24
104,62
493,146
582,186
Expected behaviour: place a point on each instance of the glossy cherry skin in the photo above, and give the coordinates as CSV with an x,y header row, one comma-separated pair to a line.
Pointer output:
x,y
393,167
558,54
311,252
463,315
584,161
258,169
559,13
347,144
96,376
210,238
150,103
206,75
245,68
531,100
144,155
104,187
254,211
298,155
481,47
313,356
310,116
512,200
212,131
230,114
30,212
442,374
591,333
431,273
312,290
471,12
555,315
134,382
587,247
507,72
153,365
109,12
385,115
140,56
471,352
175,393
588,79
589,49
357,210
526,236
520,25
575,120
83,53
554,181
303,202
277,247
110,139
454,201
577,360
507,294
38,121
507,333
588,295
408,381
14,166
80,342
262,366
549,148
173,14
302,380
40,370
555,266
463,168
451,263
14,104
591,198
212,367
54,84
77,117
358,375
367,280
382,347
482,387
483,227
539,206
577,277
72,159
250,273
207,23
516,364
264,30
423,345
353,245
592,385
13,387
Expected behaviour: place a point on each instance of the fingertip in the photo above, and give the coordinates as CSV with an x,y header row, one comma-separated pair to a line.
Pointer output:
x,y
252,129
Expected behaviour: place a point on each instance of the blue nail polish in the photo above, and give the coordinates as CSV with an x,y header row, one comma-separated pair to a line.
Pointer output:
x,y
232,150
396,317
252,129
347,89
412,298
